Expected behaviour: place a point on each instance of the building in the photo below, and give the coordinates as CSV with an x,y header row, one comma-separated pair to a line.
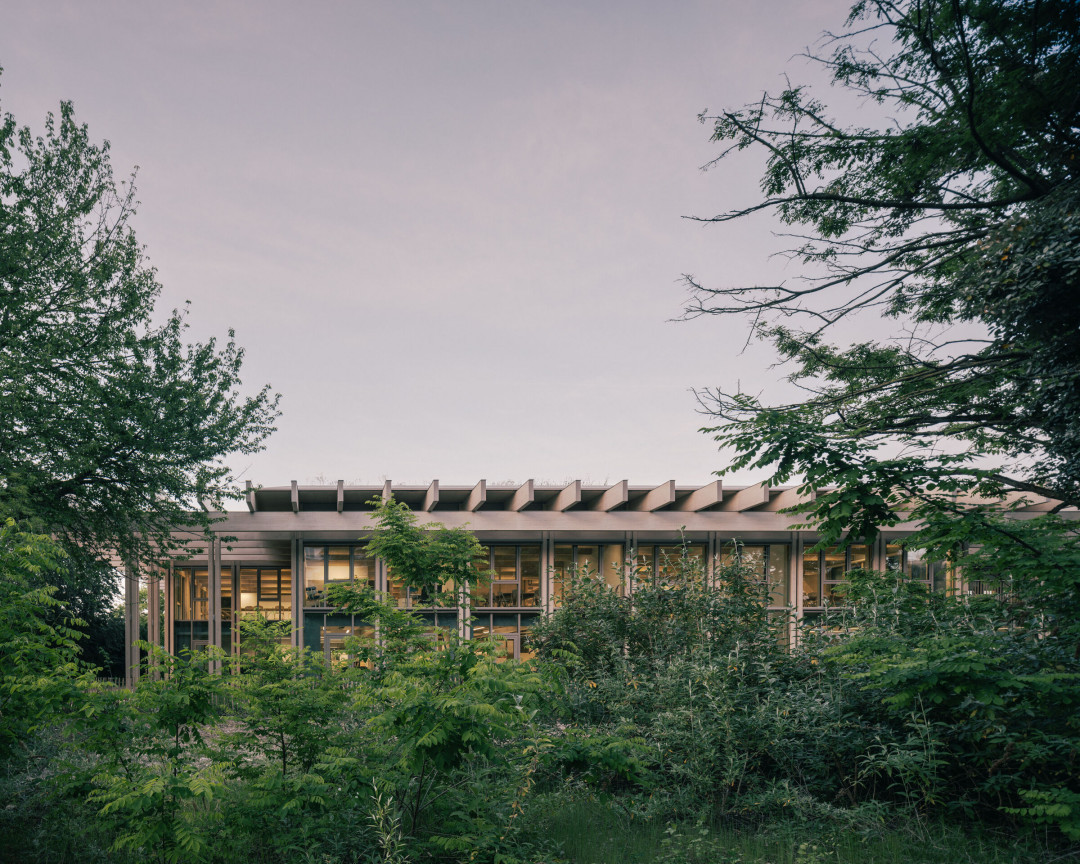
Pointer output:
x,y
292,542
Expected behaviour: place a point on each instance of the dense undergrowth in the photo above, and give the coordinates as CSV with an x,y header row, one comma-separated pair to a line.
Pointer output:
x,y
675,726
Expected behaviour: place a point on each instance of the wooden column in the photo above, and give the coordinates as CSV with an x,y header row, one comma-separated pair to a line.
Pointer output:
x,y
296,559
797,543
214,600
170,610
131,626
712,552
153,616
545,572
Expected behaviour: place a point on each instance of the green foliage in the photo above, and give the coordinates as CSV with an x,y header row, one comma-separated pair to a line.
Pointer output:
x,y
953,210
39,645
430,558
288,702
957,215
923,704
163,813
1057,807
116,429
150,783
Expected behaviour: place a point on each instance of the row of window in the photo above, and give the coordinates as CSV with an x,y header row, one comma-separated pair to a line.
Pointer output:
x,y
264,589
513,575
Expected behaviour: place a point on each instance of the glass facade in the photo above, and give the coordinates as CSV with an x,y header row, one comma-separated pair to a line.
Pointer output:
x,y
770,562
668,562
508,577
932,573
506,601
607,560
510,631
825,573
327,566
264,589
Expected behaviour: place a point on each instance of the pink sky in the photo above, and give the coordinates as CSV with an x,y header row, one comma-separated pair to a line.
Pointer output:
x,y
449,234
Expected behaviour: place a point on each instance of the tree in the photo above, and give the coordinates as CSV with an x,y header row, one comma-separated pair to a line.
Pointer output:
x,y
114,430
38,658
956,215
431,559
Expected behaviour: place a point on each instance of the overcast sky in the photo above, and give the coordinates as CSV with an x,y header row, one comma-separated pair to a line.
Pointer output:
x,y
449,234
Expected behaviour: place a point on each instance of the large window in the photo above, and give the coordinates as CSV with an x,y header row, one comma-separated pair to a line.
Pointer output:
x,y
513,578
669,562
825,573
264,589
414,598
326,566
934,574
191,594
335,643
770,563
606,560
510,629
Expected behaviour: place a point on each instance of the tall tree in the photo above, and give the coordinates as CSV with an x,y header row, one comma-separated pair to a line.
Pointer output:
x,y
961,207
114,430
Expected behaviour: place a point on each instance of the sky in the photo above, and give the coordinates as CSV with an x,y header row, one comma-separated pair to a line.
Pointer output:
x,y
450,235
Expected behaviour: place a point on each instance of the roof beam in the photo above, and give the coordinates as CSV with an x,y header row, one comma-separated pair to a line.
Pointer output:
x,y
523,496
249,496
662,496
431,497
295,496
785,498
703,498
744,499
568,497
340,495
612,497
477,497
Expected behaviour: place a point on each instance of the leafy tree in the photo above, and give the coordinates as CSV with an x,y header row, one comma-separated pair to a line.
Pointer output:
x,y
956,214
430,558
115,430
289,705
38,650
154,782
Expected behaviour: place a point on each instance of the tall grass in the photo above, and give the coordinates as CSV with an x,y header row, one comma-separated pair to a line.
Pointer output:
x,y
589,830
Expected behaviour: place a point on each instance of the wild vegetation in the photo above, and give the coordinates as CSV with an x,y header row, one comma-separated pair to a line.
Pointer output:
x,y
672,724
678,722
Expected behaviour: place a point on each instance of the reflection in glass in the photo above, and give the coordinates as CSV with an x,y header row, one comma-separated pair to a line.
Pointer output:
x,y
504,562
778,569
811,579
835,564
314,576
613,567
337,566
939,576
269,593
286,590
562,562
530,575
478,587
182,593
363,568
226,593
202,595
249,586
860,557
504,593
